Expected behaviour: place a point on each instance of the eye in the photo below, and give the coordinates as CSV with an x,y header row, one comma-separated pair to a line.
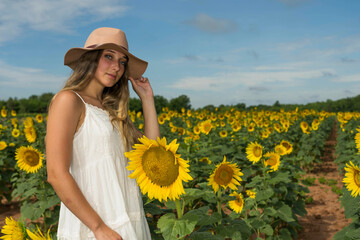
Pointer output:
x,y
123,62
108,56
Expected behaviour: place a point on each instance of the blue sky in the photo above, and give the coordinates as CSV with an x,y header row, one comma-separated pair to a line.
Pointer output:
x,y
215,52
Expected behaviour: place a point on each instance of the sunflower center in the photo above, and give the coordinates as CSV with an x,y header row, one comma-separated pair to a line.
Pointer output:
x,y
31,158
357,178
272,161
224,175
239,201
159,165
257,151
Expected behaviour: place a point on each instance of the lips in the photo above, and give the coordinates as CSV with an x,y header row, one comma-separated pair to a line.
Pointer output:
x,y
111,76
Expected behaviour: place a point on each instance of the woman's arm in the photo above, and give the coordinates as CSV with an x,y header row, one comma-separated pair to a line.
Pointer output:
x,y
63,118
144,91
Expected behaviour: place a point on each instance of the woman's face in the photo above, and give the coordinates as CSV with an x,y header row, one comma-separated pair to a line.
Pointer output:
x,y
110,68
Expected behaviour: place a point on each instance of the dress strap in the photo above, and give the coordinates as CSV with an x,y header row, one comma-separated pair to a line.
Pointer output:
x,y
79,97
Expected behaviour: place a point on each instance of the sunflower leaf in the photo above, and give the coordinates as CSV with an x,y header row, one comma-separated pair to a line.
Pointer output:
x,y
172,228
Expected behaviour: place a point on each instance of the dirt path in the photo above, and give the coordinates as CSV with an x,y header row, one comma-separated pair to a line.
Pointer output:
x,y
325,216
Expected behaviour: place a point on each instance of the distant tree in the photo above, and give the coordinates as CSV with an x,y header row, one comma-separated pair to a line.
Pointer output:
x,y
135,105
160,103
182,101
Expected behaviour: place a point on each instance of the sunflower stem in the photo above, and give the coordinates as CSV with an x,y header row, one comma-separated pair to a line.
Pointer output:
x,y
219,204
178,208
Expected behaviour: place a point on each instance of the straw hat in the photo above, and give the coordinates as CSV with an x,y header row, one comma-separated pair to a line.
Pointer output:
x,y
107,38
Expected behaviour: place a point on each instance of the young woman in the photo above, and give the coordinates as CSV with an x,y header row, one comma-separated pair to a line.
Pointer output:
x,y
88,131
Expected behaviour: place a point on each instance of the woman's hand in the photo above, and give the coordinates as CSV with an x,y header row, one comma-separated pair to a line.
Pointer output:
x,y
105,233
142,87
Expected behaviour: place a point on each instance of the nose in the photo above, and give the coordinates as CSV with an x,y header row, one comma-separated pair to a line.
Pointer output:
x,y
116,66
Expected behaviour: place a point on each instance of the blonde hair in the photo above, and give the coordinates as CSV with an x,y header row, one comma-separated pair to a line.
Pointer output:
x,y
115,99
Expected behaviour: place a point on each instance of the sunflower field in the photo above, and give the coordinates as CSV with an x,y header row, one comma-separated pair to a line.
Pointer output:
x,y
222,174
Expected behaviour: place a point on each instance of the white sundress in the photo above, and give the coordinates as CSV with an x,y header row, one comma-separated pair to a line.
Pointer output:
x,y
98,166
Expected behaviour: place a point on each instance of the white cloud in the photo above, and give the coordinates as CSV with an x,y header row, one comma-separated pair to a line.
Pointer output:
x,y
13,77
223,81
56,16
212,25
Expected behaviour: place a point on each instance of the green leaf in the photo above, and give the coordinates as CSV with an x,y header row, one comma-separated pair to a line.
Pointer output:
x,y
280,177
204,235
153,209
285,234
285,213
209,219
351,204
267,229
172,228
264,195
270,211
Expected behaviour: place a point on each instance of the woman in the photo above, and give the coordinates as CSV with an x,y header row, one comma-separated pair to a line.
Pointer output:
x,y
88,131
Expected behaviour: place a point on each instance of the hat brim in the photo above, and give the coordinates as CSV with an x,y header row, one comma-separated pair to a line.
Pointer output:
x,y
135,66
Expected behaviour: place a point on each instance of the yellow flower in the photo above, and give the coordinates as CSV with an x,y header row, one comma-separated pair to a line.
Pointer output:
x,y
13,113
206,126
161,120
3,145
30,134
287,145
251,194
236,127
141,126
304,127
226,175
39,118
29,159
352,179
197,130
38,235
3,112
15,132
254,152
205,160
251,127
280,149
12,230
223,133
158,169
357,139
11,144
273,161
28,122
14,122
237,204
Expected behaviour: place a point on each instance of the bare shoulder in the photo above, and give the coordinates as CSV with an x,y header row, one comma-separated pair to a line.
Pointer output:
x,y
66,101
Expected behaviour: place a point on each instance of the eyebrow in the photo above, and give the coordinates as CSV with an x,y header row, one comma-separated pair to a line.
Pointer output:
x,y
112,51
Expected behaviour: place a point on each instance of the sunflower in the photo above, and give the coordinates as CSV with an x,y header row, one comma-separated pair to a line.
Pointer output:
x,y
304,127
237,204
196,130
273,161
28,122
206,126
226,175
39,118
287,145
357,139
14,122
352,179
158,169
3,112
280,149
223,133
205,160
38,235
12,230
254,152
3,145
161,120
30,134
15,132
29,159
236,127
251,194
13,113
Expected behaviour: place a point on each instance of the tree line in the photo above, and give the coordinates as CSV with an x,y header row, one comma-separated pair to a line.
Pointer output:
x,y
39,104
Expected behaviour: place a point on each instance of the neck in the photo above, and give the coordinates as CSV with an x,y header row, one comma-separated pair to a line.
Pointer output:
x,y
94,90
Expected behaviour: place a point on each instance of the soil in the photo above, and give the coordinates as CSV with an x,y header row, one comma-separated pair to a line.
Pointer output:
x,y
324,218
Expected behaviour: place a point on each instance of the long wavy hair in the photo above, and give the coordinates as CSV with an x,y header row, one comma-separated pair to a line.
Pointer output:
x,y
114,99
